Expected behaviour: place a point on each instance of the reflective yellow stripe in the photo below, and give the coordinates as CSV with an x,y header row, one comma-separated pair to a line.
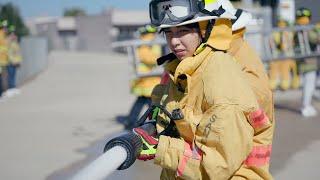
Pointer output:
x,y
209,1
200,48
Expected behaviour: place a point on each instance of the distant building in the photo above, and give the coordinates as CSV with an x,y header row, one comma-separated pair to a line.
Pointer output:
x,y
126,23
88,33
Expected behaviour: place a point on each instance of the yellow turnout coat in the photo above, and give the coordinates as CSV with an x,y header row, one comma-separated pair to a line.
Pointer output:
x,y
219,134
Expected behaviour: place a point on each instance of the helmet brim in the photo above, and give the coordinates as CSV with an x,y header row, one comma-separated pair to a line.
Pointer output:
x,y
243,20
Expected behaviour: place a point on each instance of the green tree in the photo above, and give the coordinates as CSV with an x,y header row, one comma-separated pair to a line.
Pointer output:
x,y
11,13
74,12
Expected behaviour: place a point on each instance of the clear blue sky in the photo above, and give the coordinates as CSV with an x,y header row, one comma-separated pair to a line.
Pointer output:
x,y
31,8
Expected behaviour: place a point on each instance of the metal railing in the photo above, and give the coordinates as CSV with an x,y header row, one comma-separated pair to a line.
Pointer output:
x,y
298,45
299,48
132,46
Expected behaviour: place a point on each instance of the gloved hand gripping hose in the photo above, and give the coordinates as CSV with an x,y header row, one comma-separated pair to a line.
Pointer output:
x,y
122,151
132,142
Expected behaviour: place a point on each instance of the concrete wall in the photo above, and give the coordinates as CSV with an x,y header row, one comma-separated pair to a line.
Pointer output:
x,y
93,33
34,53
50,31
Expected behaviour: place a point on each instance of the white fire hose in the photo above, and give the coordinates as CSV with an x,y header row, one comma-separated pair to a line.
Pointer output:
x,y
103,166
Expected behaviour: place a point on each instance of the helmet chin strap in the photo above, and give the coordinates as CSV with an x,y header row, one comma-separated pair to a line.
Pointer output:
x,y
208,31
205,37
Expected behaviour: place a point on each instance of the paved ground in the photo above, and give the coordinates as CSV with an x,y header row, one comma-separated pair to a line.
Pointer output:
x,y
63,118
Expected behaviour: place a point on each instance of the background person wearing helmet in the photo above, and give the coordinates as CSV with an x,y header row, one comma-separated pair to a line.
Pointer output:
x,y
3,51
14,61
307,66
317,31
219,108
142,87
280,70
256,76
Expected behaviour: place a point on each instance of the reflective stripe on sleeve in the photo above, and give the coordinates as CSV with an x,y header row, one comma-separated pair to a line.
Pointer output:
x,y
259,156
258,118
194,153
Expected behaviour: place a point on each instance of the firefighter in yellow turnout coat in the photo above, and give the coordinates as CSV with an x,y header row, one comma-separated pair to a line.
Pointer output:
x,y
3,51
252,66
147,56
142,86
282,69
221,112
307,66
14,62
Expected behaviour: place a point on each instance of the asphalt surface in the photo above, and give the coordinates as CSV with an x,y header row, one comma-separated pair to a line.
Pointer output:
x,y
63,118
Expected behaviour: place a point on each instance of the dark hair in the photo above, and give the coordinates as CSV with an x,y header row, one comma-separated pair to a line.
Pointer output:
x,y
191,26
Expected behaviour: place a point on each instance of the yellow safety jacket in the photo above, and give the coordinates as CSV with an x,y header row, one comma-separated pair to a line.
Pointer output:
x,y
257,78
14,54
3,49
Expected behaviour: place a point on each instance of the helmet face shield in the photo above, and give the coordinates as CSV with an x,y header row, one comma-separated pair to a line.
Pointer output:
x,y
172,11
169,13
